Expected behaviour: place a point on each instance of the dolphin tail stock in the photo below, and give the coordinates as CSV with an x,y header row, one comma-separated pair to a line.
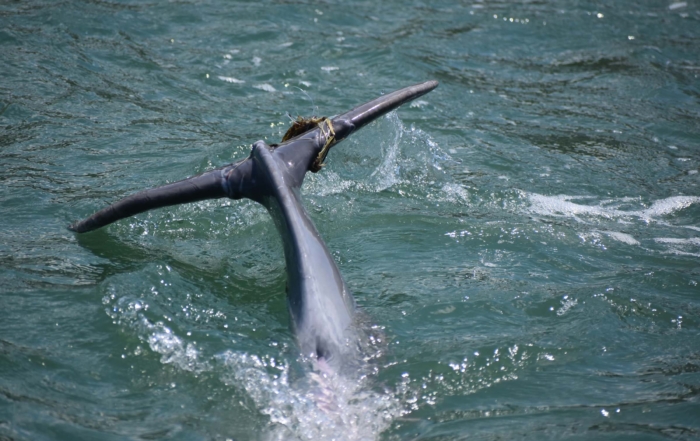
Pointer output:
x,y
208,185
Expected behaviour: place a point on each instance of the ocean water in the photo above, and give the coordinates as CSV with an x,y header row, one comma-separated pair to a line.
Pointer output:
x,y
523,242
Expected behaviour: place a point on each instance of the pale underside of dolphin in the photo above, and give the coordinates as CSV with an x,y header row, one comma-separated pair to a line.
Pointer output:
x,y
320,304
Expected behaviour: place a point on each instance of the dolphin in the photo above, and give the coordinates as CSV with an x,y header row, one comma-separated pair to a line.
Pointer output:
x,y
320,305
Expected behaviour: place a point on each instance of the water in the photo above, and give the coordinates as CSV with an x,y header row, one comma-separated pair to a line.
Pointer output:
x,y
523,242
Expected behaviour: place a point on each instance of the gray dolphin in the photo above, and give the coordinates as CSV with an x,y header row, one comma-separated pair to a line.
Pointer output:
x,y
320,304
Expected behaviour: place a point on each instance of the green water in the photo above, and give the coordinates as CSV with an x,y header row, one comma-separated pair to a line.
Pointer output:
x,y
523,242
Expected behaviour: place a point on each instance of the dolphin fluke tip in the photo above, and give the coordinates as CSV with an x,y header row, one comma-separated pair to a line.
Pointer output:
x,y
362,115
80,227
431,84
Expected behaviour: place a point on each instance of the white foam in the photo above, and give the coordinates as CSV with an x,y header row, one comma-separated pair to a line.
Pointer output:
x,y
620,211
680,246
670,205
266,87
231,80
561,205
173,350
318,406
566,305
689,241
677,5
622,237
455,193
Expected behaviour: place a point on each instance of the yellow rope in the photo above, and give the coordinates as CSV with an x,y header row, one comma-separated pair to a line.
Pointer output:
x,y
329,133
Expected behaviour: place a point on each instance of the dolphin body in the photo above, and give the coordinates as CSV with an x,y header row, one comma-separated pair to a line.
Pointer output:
x,y
320,304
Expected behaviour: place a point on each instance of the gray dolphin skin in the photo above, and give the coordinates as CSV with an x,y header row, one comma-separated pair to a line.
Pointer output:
x,y
320,304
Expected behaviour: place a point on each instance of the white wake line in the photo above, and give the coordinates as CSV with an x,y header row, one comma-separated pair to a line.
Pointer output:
x,y
675,241
560,205
621,237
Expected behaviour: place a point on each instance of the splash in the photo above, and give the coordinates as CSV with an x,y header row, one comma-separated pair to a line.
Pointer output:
x,y
300,401
387,173
406,157
315,406
127,311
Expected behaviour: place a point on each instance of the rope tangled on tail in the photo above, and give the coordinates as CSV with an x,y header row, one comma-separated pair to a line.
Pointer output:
x,y
303,125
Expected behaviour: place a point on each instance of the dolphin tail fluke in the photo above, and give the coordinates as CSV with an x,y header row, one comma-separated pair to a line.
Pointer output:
x,y
332,131
209,185
301,150
362,115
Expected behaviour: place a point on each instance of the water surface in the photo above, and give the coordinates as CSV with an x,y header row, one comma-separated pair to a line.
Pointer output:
x,y
523,242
